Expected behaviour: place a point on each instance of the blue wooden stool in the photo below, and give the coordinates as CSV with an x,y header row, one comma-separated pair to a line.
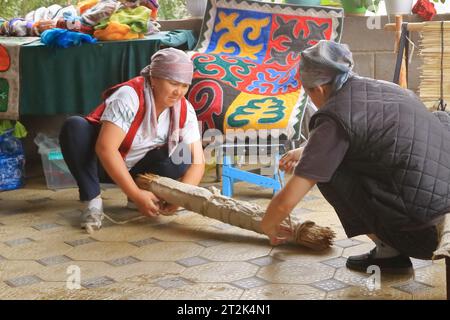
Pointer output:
x,y
231,174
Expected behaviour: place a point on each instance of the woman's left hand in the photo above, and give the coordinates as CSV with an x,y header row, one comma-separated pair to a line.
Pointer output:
x,y
168,209
278,234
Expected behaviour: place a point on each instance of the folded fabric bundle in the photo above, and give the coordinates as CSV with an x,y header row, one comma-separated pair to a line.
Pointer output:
x,y
176,38
71,16
74,25
130,3
60,38
53,12
43,13
3,27
66,11
152,27
16,27
116,31
43,18
86,5
135,18
102,10
40,26
153,5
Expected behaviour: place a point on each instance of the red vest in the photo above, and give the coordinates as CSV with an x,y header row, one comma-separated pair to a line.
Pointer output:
x,y
138,85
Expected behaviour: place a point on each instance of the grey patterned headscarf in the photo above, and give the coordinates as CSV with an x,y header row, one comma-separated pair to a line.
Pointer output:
x,y
171,64
326,62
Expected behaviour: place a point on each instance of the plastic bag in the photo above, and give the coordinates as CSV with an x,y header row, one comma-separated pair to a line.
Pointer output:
x,y
12,161
46,143
57,174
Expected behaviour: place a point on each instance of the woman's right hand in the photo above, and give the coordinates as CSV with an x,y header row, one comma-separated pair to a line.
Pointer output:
x,y
147,203
290,159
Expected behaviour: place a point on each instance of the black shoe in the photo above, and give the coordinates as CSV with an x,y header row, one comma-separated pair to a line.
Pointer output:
x,y
399,264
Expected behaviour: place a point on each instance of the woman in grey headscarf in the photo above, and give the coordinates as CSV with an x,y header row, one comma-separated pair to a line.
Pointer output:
x,y
140,127
378,157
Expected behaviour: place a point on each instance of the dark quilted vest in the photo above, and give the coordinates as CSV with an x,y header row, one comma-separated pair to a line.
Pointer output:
x,y
399,151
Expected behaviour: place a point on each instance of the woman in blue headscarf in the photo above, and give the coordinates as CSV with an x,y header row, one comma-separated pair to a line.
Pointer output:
x,y
378,157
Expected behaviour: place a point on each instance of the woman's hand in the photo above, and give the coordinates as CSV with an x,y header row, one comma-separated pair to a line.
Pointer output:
x,y
278,234
147,203
281,206
168,209
290,159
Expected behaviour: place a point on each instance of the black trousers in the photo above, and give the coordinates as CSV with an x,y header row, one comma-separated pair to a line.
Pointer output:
x,y
77,139
352,205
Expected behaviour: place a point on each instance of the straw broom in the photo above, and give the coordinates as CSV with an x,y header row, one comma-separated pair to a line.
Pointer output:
x,y
430,52
238,213
432,56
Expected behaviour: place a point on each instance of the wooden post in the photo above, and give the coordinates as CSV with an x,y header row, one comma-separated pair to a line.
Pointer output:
x,y
403,81
412,26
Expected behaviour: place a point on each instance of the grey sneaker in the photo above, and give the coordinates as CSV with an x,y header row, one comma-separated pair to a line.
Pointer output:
x,y
91,219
